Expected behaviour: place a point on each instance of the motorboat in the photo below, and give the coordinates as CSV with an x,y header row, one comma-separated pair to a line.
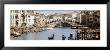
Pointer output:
x,y
16,34
74,27
49,28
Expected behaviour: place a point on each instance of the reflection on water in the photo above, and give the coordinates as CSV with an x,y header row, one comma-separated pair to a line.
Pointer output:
x,y
58,32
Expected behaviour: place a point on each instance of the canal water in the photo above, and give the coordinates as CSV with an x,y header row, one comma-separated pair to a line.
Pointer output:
x,y
58,32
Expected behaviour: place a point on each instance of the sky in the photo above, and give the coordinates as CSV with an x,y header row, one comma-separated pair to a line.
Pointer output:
x,y
47,12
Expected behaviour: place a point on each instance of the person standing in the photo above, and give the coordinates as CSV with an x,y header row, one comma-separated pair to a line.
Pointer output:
x,y
71,36
63,37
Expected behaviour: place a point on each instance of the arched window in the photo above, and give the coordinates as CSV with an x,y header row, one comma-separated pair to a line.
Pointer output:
x,y
23,16
29,16
16,16
17,22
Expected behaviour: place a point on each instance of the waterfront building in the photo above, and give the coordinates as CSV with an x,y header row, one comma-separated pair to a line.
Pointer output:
x,y
90,18
40,20
84,18
18,17
29,18
13,20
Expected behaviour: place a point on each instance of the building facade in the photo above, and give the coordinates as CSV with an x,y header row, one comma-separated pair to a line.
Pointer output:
x,y
18,17
90,18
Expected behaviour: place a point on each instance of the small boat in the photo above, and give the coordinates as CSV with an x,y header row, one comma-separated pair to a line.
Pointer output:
x,y
74,27
49,28
84,27
15,34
